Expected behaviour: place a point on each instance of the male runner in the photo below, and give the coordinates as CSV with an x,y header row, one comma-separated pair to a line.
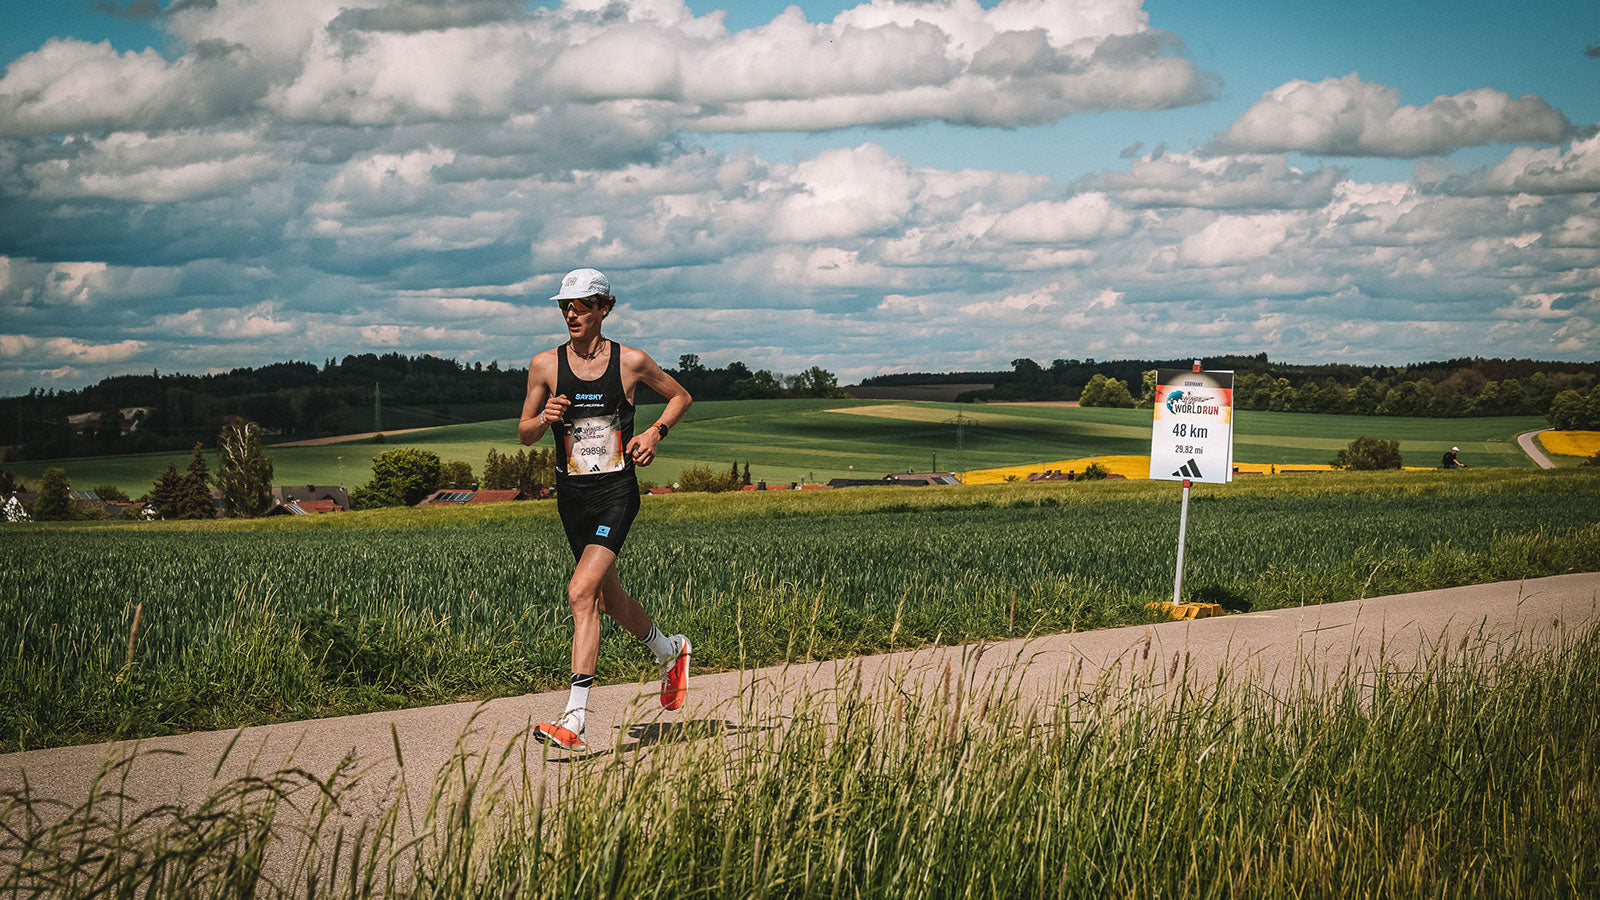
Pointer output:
x,y
583,391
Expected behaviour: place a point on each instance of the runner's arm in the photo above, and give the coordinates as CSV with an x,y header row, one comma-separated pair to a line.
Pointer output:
x,y
539,409
644,369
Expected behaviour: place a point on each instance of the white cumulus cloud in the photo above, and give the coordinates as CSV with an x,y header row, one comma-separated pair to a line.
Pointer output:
x,y
1350,117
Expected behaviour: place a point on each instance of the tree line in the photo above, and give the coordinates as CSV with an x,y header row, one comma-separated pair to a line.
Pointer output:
x,y
172,411
1563,392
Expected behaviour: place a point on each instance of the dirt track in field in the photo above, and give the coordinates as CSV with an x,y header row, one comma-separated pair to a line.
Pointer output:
x,y
349,438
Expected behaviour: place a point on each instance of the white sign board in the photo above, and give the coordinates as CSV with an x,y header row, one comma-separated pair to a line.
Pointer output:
x,y
1192,437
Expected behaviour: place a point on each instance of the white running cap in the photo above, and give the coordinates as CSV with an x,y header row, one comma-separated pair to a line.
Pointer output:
x,y
1456,449
581,283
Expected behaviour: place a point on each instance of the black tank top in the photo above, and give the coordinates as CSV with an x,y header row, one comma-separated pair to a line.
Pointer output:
x,y
592,437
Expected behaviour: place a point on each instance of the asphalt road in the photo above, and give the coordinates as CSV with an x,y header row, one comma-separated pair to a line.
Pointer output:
x,y
1528,441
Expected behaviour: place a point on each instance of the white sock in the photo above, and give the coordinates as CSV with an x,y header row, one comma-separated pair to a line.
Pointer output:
x,y
662,646
578,700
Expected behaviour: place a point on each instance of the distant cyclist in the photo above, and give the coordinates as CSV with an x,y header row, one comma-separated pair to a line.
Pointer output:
x,y
583,391
1452,459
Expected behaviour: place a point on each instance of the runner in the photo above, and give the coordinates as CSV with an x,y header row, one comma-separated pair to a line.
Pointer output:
x,y
583,391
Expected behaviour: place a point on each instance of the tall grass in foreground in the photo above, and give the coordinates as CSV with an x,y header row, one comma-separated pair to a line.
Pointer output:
x,y
1473,776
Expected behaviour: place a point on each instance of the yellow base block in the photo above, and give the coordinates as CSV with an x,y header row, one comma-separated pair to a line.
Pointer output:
x,y
1187,610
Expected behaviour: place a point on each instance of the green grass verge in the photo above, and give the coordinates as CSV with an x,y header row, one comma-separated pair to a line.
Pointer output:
x,y
252,622
1473,777
789,440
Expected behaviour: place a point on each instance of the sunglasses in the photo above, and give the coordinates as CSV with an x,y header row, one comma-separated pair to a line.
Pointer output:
x,y
584,304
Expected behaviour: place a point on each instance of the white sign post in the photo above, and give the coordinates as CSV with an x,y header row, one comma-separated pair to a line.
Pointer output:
x,y
1191,438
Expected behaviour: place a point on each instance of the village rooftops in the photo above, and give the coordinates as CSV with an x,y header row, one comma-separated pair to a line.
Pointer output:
x,y
302,508
457,497
288,493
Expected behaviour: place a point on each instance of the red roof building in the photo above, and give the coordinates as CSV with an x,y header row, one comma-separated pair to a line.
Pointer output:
x,y
454,497
303,508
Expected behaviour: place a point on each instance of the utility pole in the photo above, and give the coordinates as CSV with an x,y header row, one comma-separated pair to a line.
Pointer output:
x,y
960,422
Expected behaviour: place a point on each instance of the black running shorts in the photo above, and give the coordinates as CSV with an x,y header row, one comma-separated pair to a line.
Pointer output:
x,y
599,513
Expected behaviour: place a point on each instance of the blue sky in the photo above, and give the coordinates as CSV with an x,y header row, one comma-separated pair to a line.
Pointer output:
x,y
888,186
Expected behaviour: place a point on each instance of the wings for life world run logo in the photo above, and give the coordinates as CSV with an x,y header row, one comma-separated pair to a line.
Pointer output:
x,y
1181,403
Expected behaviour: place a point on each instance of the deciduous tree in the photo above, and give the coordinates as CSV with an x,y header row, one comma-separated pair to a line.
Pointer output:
x,y
399,477
456,474
244,473
55,496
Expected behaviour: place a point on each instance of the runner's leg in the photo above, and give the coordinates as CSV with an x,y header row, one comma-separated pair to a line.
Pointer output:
x,y
620,605
586,596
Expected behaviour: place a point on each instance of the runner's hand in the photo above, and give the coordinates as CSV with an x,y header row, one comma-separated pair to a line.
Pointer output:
x,y
555,408
643,447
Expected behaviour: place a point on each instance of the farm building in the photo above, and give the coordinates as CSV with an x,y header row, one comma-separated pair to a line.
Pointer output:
x,y
302,508
934,478
452,497
15,507
1054,475
299,493
904,479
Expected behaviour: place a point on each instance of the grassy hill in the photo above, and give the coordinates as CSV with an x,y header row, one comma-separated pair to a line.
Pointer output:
x,y
786,440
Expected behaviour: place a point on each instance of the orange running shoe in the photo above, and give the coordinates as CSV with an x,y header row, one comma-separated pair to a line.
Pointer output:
x,y
559,735
675,675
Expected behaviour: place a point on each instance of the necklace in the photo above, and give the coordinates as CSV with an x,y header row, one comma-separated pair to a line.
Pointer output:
x,y
598,346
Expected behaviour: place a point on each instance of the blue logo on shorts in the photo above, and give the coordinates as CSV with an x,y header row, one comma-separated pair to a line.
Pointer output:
x,y
602,531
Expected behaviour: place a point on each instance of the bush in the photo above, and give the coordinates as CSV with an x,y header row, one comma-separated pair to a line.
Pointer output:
x,y
1094,471
1368,455
701,478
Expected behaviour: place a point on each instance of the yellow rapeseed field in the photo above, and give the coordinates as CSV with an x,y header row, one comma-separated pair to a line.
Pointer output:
x,y
1571,443
1128,467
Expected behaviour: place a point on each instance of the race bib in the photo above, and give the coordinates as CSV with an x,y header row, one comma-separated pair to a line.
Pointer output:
x,y
594,445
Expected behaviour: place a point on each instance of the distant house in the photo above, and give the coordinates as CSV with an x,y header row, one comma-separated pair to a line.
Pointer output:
x,y
454,497
15,507
903,479
116,509
302,508
923,478
868,482
91,502
1054,475
299,493
128,419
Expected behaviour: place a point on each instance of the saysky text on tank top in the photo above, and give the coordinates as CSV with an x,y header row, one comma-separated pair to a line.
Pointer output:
x,y
593,435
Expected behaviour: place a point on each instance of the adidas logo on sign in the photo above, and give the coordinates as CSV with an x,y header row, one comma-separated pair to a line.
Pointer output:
x,y
1190,469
